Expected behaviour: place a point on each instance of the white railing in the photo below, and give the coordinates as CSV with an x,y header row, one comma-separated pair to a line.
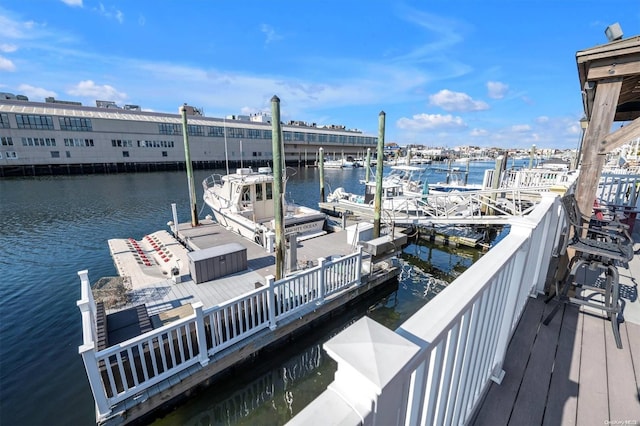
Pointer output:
x,y
128,368
526,178
622,190
435,367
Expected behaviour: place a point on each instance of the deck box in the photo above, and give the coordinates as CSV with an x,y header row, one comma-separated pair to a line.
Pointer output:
x,y
216,262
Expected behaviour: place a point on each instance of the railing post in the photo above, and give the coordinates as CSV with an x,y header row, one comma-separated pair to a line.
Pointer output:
x,y
516,281
376,387
203,353
88,353
359,266
87,308
88,326
321,281
271,301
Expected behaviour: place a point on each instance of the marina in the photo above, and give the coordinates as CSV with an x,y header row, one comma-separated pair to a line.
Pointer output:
x,y
507,296
223,308
440,371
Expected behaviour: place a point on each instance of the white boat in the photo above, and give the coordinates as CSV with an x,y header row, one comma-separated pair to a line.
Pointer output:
x,y
338,164
415,181
393,197
455,182
243,202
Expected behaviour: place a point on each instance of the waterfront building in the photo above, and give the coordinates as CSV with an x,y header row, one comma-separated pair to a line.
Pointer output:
x,y
62,137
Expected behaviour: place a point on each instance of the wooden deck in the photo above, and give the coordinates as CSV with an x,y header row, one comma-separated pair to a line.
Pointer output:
x,y
153,287
571,372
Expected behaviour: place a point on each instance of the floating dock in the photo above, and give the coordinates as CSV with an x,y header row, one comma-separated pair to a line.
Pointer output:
x,y
191,303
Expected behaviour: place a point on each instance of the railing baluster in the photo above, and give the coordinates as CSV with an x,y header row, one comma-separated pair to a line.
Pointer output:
x,y
132,366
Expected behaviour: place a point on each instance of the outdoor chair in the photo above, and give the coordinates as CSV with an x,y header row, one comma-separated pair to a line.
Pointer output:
x,y
598,245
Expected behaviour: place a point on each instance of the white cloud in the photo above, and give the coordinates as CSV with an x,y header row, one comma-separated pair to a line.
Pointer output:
x,y
35,92
73,3
12,29
520,128
431,122
110,14
479,132
270,32
6,64
496,89
456,101
89,89
8,48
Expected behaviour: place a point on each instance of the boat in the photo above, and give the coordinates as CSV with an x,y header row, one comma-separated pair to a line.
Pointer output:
x,y
338,164
413,179
243,202
455,182
393,198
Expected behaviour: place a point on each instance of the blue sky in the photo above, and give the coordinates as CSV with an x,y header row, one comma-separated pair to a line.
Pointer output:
x,y
446,73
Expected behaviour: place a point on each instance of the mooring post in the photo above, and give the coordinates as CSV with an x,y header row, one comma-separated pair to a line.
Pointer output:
x,y
278,211
377,201
532,154
189,167
367,166
321,167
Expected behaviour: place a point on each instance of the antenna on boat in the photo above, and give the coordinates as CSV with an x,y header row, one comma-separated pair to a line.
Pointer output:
x,y
226,153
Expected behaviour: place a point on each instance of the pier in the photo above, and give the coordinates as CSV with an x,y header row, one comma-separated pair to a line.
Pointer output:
x,y
162,328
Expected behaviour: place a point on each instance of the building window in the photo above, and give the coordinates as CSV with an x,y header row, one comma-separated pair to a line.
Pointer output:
x,y
119,143
55,154
6,141
288,136
195,130
234,132
125,154
170,129
75,123
298,136
68,153
215,131
11,155
165,154
77,142
4,121
41,122
266,134
312,137
254,133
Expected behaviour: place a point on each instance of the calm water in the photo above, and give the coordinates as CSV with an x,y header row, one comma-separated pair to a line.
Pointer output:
x,y
52,227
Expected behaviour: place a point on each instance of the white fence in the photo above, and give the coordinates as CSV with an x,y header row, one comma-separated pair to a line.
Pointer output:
x,y
130,367
529,178
620,190
435,367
